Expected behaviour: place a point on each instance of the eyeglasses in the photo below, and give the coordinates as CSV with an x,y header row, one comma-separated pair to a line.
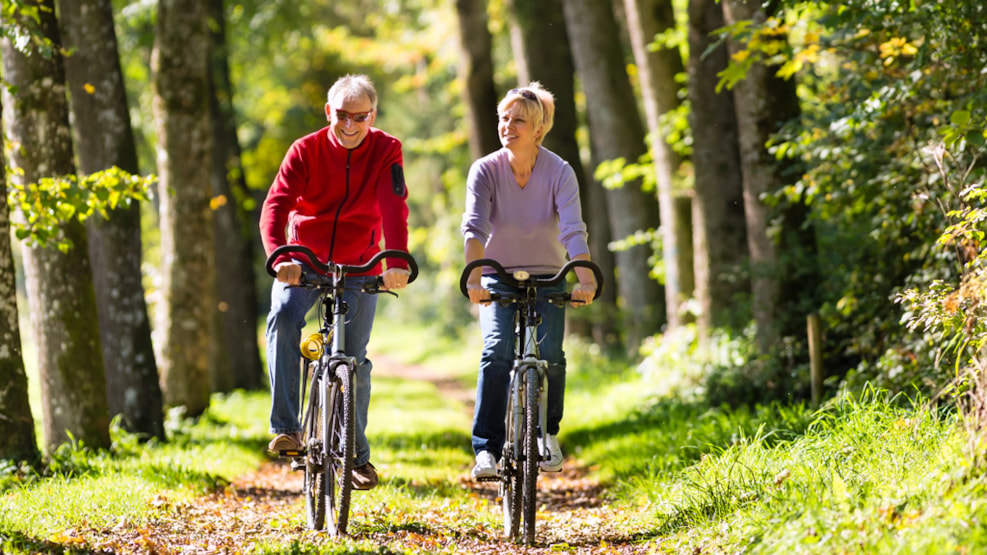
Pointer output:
x,y
359,117
526,94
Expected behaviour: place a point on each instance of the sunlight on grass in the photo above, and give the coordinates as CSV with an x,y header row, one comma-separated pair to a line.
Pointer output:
x,y
61,503
100,488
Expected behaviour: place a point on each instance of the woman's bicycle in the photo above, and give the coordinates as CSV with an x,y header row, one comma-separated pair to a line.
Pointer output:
x,y
527,399
328,413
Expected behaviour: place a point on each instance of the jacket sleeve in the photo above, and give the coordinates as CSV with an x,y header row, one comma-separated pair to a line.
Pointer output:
x,y
392,195
281,199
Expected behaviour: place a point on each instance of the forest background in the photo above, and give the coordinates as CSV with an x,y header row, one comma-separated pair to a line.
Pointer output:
x,y
745,168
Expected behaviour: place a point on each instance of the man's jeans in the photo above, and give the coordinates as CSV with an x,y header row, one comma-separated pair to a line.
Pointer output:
x,y
284,330
497,359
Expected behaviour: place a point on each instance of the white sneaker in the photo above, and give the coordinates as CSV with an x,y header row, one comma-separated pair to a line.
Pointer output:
x,y
486,466
551,444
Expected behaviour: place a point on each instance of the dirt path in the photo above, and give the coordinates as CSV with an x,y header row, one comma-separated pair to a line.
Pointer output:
x,y
263,508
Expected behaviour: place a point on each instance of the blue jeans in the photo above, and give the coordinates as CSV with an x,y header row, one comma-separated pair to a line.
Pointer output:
x,y
284,330
497,359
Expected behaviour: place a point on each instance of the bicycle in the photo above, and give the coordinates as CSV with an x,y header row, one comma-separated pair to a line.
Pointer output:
x,y
527,399
327,416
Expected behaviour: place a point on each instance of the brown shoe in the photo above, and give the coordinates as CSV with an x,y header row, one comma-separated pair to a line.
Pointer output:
x,y
291,443
364,477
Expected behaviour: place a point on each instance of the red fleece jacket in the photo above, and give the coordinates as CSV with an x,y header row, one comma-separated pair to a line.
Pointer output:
x,y
338,202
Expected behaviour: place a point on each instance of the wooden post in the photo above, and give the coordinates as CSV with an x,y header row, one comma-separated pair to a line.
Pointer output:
x,y
814,328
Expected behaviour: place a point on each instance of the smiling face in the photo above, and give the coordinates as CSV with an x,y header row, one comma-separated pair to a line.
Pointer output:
x,y
516,128
343,114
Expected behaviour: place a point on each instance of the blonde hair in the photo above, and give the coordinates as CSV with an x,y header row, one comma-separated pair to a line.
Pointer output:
x,y
540,108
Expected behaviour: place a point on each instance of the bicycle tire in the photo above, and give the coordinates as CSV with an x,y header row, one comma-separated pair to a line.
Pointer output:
x,y
315,459
341,449
531,453
511,481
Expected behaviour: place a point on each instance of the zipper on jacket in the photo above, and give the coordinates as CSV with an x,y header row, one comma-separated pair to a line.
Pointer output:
x,y
339,210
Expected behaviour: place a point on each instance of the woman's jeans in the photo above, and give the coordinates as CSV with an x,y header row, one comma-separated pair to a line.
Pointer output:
x,y
289,305
497,359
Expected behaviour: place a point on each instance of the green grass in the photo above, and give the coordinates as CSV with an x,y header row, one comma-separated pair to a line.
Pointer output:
x,y
866,474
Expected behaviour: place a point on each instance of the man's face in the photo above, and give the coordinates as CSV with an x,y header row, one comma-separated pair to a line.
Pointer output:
x,y
344,120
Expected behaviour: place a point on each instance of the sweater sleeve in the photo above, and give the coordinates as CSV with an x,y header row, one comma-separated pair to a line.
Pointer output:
x,y
572,228
479,202
392,195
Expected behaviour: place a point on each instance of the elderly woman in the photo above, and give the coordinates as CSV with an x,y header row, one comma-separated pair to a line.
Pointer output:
x,y
522,209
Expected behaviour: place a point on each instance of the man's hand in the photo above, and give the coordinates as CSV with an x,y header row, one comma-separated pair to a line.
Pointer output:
x,y
582,294
396,278
289,272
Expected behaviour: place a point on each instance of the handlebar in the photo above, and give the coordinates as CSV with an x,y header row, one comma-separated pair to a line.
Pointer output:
x,y
531,281
345,269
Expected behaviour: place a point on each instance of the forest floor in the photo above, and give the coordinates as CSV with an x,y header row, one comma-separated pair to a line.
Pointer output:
x,y
260,511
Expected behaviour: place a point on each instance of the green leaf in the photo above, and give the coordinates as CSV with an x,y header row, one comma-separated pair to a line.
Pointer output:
x,y
960,117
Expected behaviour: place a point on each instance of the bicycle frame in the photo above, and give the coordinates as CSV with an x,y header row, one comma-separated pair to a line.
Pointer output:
x,y
528,388
526,356
327,417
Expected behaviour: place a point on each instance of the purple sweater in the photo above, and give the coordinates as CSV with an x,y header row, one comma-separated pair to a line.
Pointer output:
x,y
525,229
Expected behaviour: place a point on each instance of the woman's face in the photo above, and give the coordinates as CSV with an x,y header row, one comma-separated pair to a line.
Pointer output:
x,y
516,129
345,120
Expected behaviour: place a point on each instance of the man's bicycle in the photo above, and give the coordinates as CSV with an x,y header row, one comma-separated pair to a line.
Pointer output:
x,y
527,400
328,413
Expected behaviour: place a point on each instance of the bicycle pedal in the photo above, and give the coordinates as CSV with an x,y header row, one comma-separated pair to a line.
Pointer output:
x,y
293,453
488,479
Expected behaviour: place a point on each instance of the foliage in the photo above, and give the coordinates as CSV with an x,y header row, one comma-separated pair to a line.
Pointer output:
x,y
19,24
47,204
871,474
891,131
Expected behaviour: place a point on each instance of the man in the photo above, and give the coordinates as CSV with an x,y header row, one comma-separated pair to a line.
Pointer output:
x,y
337,192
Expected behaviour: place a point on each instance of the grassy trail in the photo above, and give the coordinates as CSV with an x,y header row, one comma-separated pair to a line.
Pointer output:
x,y
426,502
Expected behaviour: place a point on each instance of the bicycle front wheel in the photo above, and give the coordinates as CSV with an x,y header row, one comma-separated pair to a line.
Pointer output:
x,y
531,454
341,448
316,425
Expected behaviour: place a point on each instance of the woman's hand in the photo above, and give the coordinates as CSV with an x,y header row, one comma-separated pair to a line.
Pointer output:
x,y
582,294
477,293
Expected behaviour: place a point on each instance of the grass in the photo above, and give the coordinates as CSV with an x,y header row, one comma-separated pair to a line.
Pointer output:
x,y
863,474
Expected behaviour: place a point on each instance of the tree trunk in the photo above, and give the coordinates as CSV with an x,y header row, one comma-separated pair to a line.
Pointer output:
x,y
235,284
18,442
181,112
59,285
616,131
718,213
763,101
479,92
132,386
541,47
657,70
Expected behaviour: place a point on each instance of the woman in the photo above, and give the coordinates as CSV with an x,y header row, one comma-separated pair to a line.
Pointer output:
x,y
522,209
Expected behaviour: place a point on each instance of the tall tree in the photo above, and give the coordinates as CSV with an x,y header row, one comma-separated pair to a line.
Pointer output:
x,y
181,112
616,131
18,441
236,293
720,233
541,51
59,284
103,139
476,69
657,70
764,101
